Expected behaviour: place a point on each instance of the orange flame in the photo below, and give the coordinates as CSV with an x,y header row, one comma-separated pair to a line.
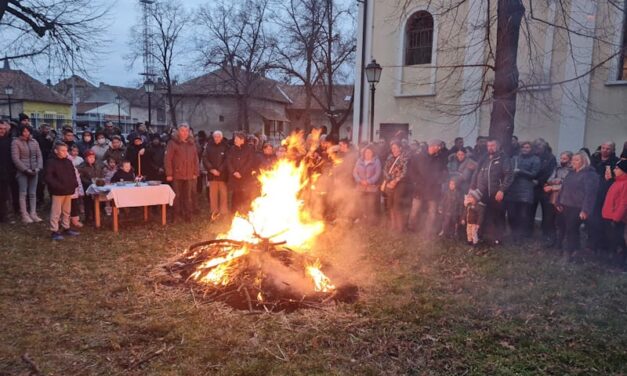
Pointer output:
x,y
278,215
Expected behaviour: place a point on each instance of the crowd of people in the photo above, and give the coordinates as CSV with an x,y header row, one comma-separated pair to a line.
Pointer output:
x,y
479,194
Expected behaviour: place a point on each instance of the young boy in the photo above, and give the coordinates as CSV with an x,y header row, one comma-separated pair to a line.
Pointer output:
x,y
474,215
60,178
124,173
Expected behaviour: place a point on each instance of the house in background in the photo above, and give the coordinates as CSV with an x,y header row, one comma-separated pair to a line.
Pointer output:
x,y
341,109
210,102
433,71
40,102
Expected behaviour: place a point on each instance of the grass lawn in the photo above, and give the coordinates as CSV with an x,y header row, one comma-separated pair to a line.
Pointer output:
x,y
91,306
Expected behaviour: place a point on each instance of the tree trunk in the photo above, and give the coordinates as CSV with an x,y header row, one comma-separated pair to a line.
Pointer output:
x,y
171,105
509,17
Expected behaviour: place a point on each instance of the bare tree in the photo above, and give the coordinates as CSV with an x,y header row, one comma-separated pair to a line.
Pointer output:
x,y
318,45
66,32
170,19
233,37
494,57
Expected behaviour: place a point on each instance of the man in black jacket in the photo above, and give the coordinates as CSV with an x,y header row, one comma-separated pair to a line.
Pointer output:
x,y
492,178
426,173
61,181
7,169
239,162
214,160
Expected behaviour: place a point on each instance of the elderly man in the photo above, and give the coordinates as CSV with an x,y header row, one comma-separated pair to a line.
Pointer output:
x,y
181,168
214,160
492,179
426,173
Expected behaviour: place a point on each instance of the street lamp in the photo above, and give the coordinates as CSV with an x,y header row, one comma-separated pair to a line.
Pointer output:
x,y
118,101
8,90
373,74
149,86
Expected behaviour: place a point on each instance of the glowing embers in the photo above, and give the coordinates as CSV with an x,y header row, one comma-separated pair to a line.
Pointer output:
x,y
264,261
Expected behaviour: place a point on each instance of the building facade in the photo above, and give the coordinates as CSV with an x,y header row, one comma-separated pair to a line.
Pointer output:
x,y
40,102
436,80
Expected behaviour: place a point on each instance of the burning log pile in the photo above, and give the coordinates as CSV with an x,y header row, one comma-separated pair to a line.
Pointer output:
x,y
262,276
264,261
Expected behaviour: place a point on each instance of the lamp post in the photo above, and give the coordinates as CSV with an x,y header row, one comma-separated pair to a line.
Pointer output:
x,y
8,90
373,74
118,101
149,86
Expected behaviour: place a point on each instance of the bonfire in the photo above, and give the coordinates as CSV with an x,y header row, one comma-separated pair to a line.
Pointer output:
x,y
265,259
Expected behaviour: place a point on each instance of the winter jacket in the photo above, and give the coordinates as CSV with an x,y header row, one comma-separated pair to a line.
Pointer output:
x,y
242,160
121,175
155,160
526,169
492,175
26,155
100,151
118,154
370,171
615,205
7,168
579,189
214,157
45,145
427,173
60,177
555,182
132,152
88,172
266,161
84,146
181,158
548,163
395,169
461,171
600,166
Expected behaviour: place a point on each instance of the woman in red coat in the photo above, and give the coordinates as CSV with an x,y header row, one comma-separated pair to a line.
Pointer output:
x,y
615,209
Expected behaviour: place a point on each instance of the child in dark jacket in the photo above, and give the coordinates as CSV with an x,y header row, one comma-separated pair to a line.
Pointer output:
x,y
475,210
60,177
124,173
451,209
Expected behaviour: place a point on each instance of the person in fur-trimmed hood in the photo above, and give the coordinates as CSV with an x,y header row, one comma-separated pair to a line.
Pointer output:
x,y
182,169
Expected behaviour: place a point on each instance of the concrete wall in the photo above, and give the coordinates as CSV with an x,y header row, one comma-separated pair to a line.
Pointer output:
x,y
562,104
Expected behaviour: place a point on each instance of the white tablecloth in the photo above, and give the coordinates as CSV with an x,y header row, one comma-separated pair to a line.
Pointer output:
x,y
131,196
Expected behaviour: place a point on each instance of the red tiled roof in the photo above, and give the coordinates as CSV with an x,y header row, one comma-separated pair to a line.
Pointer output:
x,y
219,83
27,88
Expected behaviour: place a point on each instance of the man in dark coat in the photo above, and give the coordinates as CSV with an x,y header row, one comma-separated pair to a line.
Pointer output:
x,y
214,161
240,161
45,144
182,169
493,178
520,195
7,169
548,164
603,161
155,157
426,173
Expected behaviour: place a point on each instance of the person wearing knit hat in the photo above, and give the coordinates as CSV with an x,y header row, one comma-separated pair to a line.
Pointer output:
x,y
615,210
